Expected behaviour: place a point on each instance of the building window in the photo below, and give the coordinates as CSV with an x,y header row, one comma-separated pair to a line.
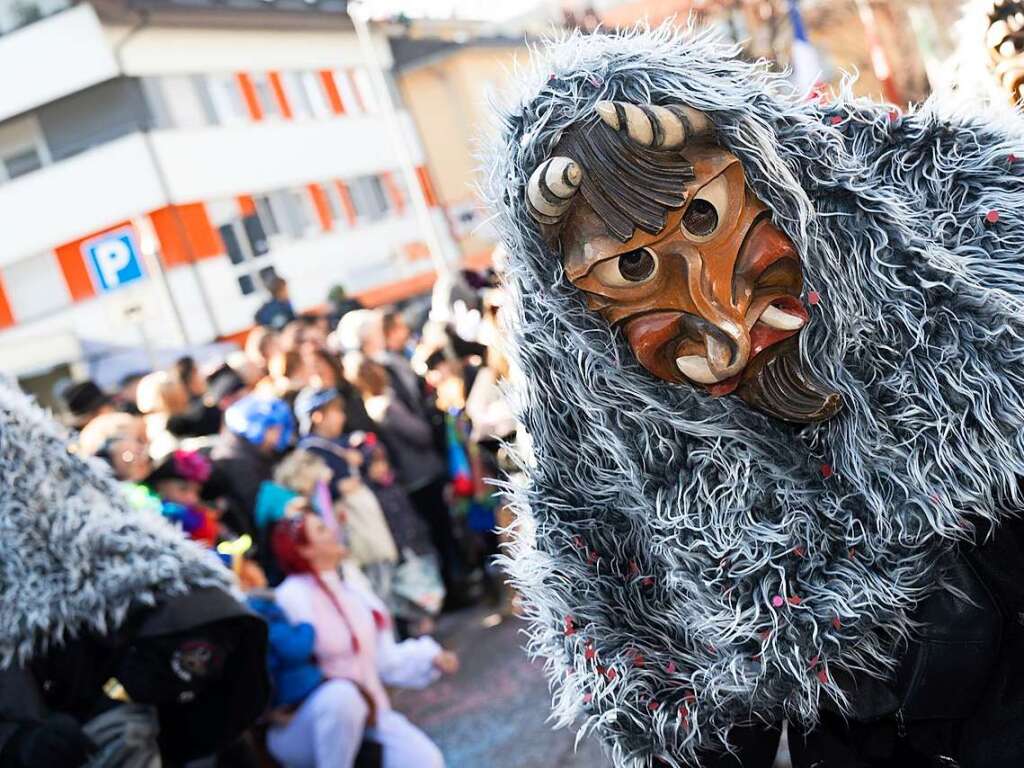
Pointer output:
x,y
265,95
20,163
179,101
369,198
227,99
266,213
334,203
295,93
314,90
364,87
22,148
35,287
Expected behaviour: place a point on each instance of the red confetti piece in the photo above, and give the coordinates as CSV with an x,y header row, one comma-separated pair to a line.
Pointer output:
x,y
836,120
795,600
570,629
638,660
587,698
653,706
813,297
577,542
1012,158
671,667
592,557
689,696
813,662
894,115
589,653
612,674
778,601
852,553
765,634
648,582
634,569
992,217
837,623
826,471
823,676
798,551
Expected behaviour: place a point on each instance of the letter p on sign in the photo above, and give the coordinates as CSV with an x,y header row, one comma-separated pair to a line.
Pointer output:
x,y
113,259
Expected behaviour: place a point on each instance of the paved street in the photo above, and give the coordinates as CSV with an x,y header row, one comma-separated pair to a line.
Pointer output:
x,y
493,713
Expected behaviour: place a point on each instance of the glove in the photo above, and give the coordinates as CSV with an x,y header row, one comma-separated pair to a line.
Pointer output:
x,y
57,742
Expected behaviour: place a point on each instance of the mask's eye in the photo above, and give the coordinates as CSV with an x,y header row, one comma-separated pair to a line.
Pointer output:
x,y
628,269
705,213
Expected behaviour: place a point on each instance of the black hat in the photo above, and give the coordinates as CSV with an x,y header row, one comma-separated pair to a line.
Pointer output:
x,y
83,398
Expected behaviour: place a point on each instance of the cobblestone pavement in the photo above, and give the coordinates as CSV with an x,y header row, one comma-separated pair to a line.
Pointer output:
x,y
493,713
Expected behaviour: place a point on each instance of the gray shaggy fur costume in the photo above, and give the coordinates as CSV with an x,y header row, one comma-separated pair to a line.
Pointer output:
x,y
657,524
74,556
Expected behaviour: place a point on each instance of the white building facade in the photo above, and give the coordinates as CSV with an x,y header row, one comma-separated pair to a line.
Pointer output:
x,y
157,164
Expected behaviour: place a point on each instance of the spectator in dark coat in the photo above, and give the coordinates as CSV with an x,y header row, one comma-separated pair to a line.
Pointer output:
x,y
277,312
257,430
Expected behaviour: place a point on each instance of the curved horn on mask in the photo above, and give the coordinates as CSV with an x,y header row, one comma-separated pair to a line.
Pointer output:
x,y
551,188
654,126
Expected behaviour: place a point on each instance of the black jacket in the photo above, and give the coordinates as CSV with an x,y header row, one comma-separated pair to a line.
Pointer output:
x,y
200,659
957,698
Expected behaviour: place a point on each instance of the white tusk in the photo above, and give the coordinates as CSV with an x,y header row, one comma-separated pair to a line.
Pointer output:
x,y
673,132
558,178
774,317
696,368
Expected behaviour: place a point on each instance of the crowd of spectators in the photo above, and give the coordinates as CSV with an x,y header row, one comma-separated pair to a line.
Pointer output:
x,y
342,468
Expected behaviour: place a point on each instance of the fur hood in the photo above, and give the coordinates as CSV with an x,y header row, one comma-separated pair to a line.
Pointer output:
x,y
74,556
688,563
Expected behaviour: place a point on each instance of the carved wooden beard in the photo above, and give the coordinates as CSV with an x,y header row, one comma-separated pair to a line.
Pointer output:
x,y
712,299
1005,42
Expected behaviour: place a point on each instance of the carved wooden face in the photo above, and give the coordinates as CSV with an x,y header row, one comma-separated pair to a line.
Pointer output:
x,y
1004,39
711,298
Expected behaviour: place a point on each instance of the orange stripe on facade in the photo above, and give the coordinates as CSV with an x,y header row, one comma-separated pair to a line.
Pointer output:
x,y
186,234
346,203
331,89
246,205
425,184
73,265
252,99
323,209
393,191
6,316
402,289
282,100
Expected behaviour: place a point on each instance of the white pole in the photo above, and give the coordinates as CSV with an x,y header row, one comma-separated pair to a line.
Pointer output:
x,y
360,14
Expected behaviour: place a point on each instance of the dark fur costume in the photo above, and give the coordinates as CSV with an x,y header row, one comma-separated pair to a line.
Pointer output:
x,y
658,524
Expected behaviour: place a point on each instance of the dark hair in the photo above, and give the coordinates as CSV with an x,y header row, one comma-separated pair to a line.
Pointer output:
x,y
390,319
184,368
627,185
333,363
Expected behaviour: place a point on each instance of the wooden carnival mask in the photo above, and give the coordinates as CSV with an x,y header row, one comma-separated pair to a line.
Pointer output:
x,y
1004,39
659,229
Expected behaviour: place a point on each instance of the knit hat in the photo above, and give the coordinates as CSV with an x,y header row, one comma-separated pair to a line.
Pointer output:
x,y
309,401
253,415
190,466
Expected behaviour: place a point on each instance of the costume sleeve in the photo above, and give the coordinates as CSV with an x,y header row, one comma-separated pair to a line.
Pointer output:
x,y
408,664
293,642
20,702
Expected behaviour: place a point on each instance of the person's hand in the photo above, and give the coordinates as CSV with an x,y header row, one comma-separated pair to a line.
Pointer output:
x,y
447,662
57,742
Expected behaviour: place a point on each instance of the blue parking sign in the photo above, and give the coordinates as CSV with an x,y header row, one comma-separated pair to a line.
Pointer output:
x,y
113,259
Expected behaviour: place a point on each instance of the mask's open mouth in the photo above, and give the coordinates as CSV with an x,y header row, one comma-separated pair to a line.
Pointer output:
x,y
777,320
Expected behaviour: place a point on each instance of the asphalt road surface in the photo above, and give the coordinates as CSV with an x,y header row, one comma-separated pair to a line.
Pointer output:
x,y
493,713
